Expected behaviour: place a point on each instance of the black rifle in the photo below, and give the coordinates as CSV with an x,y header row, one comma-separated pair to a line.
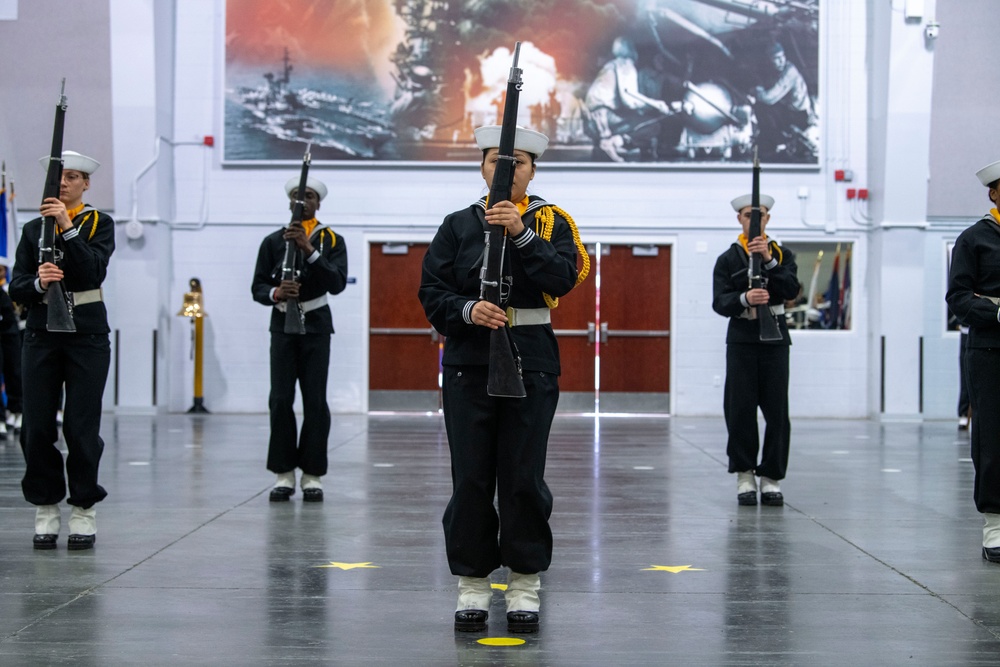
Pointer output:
x,y
295,317
769,329
60,303
505,364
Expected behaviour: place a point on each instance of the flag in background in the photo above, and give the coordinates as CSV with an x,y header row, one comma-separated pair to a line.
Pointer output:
x,y
845,293
831,314
811,294
14,229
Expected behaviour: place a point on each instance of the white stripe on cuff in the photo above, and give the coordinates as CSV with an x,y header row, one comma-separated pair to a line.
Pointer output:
x,y
525,237
467,312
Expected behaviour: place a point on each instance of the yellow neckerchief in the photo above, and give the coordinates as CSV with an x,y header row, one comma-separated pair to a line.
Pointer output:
x,y
774,247
73,212
996,215
522,206
310,225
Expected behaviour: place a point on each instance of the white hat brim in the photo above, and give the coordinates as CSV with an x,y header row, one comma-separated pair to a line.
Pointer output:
x,y
989,173
75,161
525,140
741,202
314,184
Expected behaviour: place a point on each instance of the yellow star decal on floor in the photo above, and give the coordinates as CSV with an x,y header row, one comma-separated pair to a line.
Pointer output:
x,y
672,568
350,566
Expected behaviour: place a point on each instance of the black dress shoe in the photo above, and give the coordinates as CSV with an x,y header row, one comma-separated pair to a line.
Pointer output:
x,y
992,554
312,495
773,498
80,542
471,620
281,494
522,621
747,498
44,541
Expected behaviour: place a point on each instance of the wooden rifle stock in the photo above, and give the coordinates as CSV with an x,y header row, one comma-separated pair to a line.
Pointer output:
x,y
769,329
59,303
295,317
504,378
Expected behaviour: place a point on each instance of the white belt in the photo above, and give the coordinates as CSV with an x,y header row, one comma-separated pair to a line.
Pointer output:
x,y
81,298
306,306
519,317
751,313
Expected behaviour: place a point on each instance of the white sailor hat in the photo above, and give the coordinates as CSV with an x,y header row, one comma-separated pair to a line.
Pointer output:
x,y
741,202
529,141
314,184
75,161
989,173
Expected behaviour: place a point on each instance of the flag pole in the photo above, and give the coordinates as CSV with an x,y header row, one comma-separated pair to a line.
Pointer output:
x,y
5,239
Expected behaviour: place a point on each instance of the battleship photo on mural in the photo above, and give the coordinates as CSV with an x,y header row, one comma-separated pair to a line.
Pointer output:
x,y
275,118
614,82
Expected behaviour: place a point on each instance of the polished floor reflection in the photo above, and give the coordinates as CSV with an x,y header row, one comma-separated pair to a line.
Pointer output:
x,y
873,560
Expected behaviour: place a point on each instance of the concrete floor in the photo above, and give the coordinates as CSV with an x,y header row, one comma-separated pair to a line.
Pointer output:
x,y
874,560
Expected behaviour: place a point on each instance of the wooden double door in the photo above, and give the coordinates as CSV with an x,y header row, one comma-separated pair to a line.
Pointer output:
x,y
613,331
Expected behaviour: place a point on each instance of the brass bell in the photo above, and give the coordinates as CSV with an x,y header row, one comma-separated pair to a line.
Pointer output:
x,y
193,305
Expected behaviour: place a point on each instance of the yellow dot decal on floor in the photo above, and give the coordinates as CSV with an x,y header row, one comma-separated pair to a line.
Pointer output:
x,y
499,587
500,641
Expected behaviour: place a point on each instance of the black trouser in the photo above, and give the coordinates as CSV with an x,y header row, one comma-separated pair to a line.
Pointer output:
x,y
305,359
984,393
498,445
757,375
10,346
80,361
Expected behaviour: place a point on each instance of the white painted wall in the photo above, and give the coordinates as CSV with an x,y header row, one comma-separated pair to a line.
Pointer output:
x,y
214,224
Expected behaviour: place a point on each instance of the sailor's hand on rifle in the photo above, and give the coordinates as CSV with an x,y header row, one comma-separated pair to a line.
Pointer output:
x,y
757,296
761,247
505,213
288,289
49,273
54,208
296,233
487,314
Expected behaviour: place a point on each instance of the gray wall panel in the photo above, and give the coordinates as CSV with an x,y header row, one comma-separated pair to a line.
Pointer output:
x,y
965,107
52,39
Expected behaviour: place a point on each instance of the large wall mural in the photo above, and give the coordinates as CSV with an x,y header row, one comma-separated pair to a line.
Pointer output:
x,y
611,82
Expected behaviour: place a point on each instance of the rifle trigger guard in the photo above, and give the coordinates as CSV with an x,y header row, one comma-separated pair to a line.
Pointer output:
x,y
506,282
